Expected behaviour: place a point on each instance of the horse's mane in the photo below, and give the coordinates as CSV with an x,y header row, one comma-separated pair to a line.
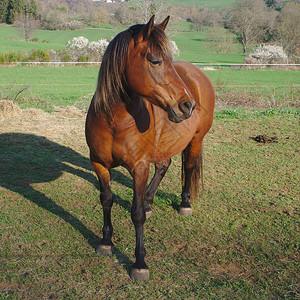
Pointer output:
x,y
112,86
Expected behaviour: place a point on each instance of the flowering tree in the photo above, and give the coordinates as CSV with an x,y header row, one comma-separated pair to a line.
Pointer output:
x,y
267,54
80,47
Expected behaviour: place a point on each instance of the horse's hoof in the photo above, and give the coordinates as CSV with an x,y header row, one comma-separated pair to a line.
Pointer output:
x,y
104,249
148,213
139,274
185,211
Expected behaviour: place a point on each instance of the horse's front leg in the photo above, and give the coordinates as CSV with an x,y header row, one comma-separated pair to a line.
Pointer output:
x,y
105,246
139,270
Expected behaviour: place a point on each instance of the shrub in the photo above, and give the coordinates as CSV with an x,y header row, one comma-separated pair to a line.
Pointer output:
x,y
175,50
39,55
79,48
267,54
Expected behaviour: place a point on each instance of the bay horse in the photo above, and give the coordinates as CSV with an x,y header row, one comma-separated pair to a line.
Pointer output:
x,y
146,109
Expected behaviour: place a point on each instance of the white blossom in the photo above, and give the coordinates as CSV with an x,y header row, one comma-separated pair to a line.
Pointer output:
x,y
267,54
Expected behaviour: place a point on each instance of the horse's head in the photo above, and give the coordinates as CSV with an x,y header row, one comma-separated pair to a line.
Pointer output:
x,y
151,74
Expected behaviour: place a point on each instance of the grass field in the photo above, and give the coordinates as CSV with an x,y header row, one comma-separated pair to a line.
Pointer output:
x,y
242,241
43,87
205,3
194,46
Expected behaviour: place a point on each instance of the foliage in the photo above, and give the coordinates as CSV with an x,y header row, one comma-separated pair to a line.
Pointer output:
x,y
9,9
287,32
58,20
144,9
26,25
267,54
252,21
80,47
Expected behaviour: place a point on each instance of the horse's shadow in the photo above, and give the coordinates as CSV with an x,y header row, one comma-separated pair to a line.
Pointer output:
x,y
26,159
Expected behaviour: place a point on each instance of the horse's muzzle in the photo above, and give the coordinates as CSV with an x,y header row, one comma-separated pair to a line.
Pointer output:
x,y
185,111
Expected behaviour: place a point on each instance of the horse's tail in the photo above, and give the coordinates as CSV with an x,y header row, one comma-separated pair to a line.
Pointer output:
x,y
197,173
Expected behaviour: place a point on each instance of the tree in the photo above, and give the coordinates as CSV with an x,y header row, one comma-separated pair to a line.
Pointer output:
x,y
26,20
11,11
3,10
288,28
26,25
252,21
146,8
100,15
221,39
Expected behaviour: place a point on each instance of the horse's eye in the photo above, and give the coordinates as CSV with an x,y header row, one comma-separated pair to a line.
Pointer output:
x,y
153,59
156,62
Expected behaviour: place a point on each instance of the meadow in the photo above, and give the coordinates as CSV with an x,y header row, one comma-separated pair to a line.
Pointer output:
x,y
194,46
206,3
45,87
242,241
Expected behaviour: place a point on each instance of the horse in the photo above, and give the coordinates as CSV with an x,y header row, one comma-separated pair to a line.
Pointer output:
x,y
146,109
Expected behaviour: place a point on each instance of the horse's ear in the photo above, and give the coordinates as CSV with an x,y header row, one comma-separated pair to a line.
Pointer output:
x,y
164,23
148,28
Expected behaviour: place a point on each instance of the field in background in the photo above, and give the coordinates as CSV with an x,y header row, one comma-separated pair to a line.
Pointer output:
x,y
205,3
194,46
44,86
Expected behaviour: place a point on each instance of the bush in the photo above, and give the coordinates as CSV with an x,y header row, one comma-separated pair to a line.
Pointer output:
x,y
267,54
39,55
80,48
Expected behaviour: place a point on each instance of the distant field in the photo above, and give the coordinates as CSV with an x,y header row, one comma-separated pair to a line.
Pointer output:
x,y
205,3
194,46
75,85
49,39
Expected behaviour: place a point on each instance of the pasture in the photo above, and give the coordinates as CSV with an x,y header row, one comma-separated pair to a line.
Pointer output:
x,y
44,87
206,3
195,46
242,240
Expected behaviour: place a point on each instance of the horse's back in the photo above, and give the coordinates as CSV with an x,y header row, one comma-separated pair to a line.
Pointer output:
x,y
201,89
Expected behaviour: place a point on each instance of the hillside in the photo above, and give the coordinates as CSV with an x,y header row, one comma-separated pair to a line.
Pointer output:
x,y
205,3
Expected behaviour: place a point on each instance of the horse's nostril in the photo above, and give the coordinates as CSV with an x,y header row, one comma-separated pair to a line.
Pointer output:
x,y
186,107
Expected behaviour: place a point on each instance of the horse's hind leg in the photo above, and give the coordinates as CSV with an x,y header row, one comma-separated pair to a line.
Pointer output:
x,y
191,169
160,171
105,246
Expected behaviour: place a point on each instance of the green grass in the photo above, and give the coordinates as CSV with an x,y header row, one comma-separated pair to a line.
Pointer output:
x,y
193,46
205,3
48,39
75,85
242,240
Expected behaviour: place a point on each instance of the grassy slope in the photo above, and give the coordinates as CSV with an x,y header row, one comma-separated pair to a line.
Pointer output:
x,y
240,242
194,46
205,3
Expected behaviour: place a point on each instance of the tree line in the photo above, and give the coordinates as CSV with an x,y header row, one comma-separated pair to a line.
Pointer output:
x,y
10,9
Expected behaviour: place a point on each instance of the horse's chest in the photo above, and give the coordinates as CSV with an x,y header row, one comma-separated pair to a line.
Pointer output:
x,y
173,139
